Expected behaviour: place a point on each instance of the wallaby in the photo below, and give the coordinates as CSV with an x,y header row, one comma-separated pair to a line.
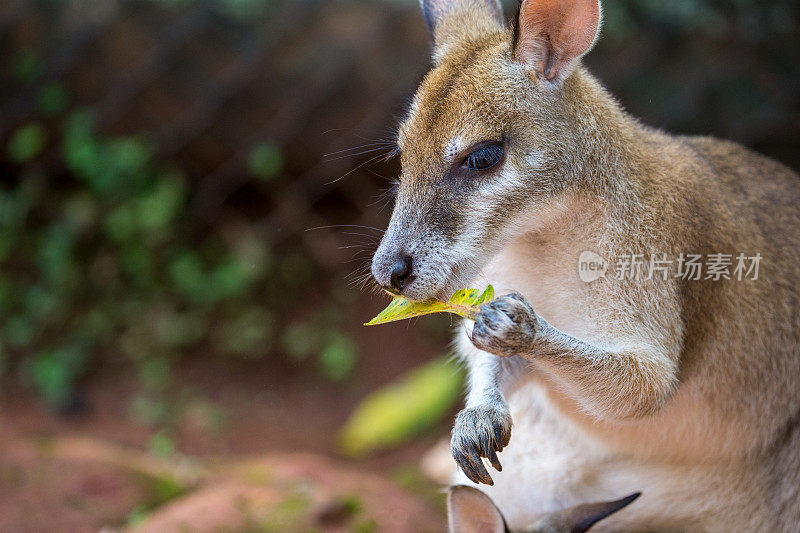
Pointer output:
x,y
471,511
515,162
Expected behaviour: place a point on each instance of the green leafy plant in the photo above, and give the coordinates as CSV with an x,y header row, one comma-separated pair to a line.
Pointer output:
x,y
398,412
464,303
102,268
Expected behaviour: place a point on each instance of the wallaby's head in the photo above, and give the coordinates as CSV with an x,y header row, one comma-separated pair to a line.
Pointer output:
x,y
490,136
471,511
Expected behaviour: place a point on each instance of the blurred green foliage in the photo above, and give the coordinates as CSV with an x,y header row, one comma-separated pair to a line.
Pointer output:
x,y
161,445
239,10
101,269
401,410
26,64
266,161
27,142
160,489
338,357
52,99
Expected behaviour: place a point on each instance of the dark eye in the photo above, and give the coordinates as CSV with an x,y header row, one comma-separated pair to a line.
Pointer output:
x,y
484,158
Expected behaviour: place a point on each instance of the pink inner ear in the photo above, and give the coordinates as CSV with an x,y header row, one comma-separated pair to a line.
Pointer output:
x,y
552,33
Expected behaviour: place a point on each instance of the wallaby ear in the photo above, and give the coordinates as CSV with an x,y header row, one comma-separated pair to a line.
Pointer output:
x,y
450,20
580,518
550,36
471,511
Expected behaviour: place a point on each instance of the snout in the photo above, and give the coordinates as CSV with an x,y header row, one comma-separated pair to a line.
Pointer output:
x,y
393,271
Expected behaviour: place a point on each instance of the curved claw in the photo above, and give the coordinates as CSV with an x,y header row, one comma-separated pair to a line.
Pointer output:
x,y
489,448
492,455
473,468
501,438
478,433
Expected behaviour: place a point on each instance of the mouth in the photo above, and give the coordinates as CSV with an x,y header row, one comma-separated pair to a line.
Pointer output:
x,y
434,280
456,280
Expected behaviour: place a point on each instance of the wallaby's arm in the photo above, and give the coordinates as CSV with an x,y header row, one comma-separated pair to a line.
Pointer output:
x,y
483,427
631,381
631,376
489,375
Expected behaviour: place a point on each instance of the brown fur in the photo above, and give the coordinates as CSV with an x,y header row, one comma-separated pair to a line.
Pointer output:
x,y
675,376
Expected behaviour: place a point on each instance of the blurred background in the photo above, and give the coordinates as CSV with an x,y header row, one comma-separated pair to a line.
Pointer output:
x,y
190,192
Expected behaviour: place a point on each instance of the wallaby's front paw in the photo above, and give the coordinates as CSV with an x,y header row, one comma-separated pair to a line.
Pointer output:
x,y
506,326
480,432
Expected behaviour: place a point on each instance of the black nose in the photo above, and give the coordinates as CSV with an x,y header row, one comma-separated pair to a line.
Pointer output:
x,y
401,272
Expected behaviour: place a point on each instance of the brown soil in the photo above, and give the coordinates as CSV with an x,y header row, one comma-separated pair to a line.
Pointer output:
x,y
271,465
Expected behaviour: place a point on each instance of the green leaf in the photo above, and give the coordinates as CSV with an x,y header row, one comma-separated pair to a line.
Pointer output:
x,y
147,409
55,254
139,263
27,142
401,410
338,358
55,372
230,279
157,208
295,269
243,10
52,99
26,64
300,340
266,161
248,334
161,445
464,303
120,224
154,373
79,211
40,302
19,331
189,277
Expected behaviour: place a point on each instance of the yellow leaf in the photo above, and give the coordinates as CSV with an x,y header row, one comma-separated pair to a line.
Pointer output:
x,y
464,303
403,409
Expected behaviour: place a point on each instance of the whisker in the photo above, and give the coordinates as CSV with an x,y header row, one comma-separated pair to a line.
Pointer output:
x,y
363,280
360,147
364,283
344,226
385,196
388,178
354,154
371,238
359,154
367,162
349,246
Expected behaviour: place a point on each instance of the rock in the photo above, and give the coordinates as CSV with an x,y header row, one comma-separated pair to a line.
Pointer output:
x,y
294,492
84,484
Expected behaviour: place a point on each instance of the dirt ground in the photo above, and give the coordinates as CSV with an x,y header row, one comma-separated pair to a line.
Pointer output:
x,y
268,462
